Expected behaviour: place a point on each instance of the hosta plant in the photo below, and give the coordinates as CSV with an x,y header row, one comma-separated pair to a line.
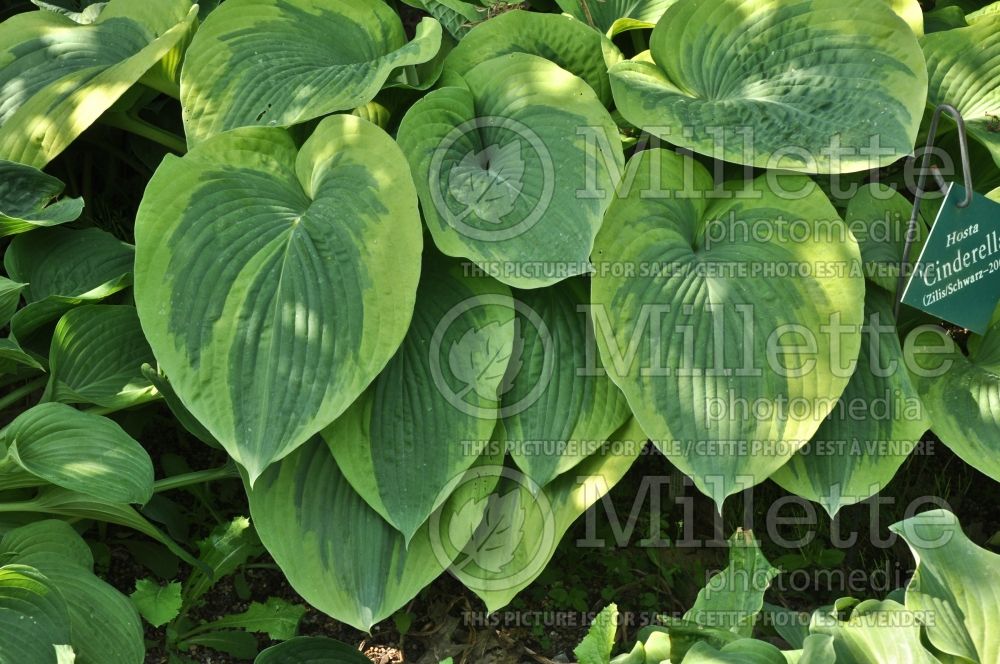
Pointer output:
x,y
428,278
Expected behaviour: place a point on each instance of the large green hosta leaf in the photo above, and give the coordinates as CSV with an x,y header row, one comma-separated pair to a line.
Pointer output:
x,y
456,16
80,452
730,325
964,69
96,357
778,83
508,173
274,283
282,62
26,200
957,583
560,406
523,523
104,625
336,551
564,41
33,617
429,415
962,393
612,16
875,425
64,268
873,632
58,76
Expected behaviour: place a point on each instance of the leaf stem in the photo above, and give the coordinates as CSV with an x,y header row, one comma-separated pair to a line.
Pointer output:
x,y
16,395
140,127
225,472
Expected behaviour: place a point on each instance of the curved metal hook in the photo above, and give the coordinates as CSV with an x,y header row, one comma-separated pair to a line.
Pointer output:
x,y
925,167
963,149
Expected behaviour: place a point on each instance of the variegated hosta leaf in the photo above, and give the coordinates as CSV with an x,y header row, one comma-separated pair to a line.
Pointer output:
x,y
508,173
874,632
104,625
872,429
911,12
991,9
559,405
65,268
560,39
803,85
956,582
456,16
879,218
80,452
729,367
964,67
429,414
522,523
58,76
961,393
26,200
614,16
279,63
33,616
274,283
96,357
335,550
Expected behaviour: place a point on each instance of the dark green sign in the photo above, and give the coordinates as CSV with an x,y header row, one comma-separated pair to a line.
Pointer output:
x,y
957,277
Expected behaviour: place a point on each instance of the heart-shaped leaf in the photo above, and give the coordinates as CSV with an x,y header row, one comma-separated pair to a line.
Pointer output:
x,y
530,226
59,76
335,550
560,404
704,337
436,402
872,429
261,62
560,39
816,86
274,283
523,523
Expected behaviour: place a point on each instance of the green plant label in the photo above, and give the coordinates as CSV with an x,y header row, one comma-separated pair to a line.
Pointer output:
x,y
957,276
